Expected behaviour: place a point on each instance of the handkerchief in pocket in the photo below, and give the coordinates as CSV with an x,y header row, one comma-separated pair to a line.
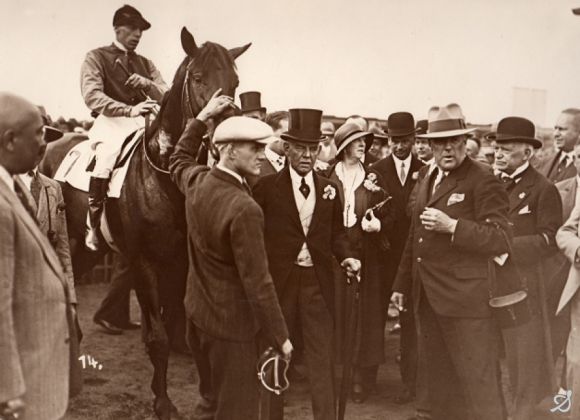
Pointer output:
x,y
455,198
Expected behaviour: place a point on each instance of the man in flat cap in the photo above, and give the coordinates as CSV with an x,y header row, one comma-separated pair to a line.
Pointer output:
x,y
303,233
230,295
119,86
456,226
535,214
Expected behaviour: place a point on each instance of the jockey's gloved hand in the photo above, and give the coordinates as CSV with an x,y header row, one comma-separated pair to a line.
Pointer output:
x,y
136,81
142,108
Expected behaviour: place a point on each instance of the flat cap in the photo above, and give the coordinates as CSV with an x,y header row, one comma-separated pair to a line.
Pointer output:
x,y
242,129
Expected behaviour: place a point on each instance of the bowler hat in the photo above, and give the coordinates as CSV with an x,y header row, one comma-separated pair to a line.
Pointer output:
x,y
304,126
422,126
349,132
251,102
447,121
515,129
50,133
128,15
243,129
400,124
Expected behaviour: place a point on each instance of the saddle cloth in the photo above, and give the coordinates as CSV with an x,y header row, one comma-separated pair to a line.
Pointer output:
x,y
73,168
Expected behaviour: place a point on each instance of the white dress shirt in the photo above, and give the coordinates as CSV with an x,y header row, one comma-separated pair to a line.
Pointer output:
x,y
305,206
232,173
568,155
275,159
398,164
27,179
7,178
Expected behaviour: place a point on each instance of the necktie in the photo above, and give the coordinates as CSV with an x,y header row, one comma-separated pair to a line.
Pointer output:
x,y
403,173
24,200
438,180
35,186
304,188
280,161
507,181
247,187
563,163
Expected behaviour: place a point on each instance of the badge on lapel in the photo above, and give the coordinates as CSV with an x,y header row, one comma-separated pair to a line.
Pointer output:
x,y
455,198
525,210
415,176
522,195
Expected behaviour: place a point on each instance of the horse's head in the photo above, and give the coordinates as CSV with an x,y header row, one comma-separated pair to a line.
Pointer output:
x,y
204,70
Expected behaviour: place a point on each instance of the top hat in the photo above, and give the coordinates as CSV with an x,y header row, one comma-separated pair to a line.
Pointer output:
x,y
515,129
447,121
128,15
251,102
422,126
349,132
401,124
304,126
50,133
243,129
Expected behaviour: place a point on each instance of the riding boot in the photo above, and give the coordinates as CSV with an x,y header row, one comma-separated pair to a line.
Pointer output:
x,y
97,196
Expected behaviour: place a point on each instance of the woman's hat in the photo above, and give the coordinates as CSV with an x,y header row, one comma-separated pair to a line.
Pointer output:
x,y
349,132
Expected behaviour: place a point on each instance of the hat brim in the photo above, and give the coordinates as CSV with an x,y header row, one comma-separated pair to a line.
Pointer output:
x,y
244,111
51,134
356,136
537,144
135,21
291,138
443,134
401,134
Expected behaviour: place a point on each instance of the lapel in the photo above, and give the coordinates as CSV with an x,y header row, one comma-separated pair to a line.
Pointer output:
x,y
44,207
415,165
449,183
522,190
286,193
31,226
318,186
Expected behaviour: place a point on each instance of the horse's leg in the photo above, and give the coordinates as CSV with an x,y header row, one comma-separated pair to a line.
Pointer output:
x,y
154,335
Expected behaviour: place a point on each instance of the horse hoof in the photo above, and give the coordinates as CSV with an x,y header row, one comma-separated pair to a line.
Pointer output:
x,y
163,408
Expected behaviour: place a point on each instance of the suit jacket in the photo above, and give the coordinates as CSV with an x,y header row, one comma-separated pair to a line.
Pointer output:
x,y
387,170
266,169
453,269
548,165
34,315
51,217
230,294
568,239
284,235
535,213
567,190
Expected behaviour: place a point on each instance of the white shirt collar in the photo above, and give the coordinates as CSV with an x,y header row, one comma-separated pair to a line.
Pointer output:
x,y
26,178
274,158
236,175
120,46
297,179
398,161
7,178
520,170
569,154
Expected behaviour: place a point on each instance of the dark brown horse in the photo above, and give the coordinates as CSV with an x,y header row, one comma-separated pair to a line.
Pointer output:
x,y
148,219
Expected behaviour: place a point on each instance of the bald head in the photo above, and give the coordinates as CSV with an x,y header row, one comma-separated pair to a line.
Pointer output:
x,y
21,133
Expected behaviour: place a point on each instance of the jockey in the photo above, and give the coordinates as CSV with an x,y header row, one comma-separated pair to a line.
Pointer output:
x,y
120,87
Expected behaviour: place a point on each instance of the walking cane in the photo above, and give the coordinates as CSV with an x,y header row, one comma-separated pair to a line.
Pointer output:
x,y
547,332
350,347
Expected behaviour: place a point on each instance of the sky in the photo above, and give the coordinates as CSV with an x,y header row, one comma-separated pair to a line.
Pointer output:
x,y
368,57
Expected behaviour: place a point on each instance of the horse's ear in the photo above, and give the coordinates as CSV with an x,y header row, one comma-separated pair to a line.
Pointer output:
x,y
236,52
188,43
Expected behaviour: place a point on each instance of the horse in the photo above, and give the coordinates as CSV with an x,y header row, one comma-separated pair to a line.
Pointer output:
x,y
147,221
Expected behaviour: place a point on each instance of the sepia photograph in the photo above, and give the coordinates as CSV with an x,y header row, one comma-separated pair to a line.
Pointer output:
x,y
288,210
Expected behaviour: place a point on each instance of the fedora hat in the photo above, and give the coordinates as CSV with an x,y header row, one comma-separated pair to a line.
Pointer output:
x,y
422,126
379,133
400,124
243,129
128,15
327,128
515,129
251,101
304,126
447,121
349,132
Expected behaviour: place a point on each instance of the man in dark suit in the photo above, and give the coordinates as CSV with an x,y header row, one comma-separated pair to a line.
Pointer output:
x,y
535,214
303,233
400,171
444,268
559,166
230,295
568,188
35,313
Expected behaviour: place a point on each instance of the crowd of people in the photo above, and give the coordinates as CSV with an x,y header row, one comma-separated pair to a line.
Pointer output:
x,y
302,235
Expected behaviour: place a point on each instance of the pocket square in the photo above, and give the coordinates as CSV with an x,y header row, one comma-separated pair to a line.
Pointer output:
x,y
455,198
525,210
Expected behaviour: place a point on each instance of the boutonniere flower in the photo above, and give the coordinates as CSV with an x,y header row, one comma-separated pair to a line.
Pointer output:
x,y
415,176
329,193
370,183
